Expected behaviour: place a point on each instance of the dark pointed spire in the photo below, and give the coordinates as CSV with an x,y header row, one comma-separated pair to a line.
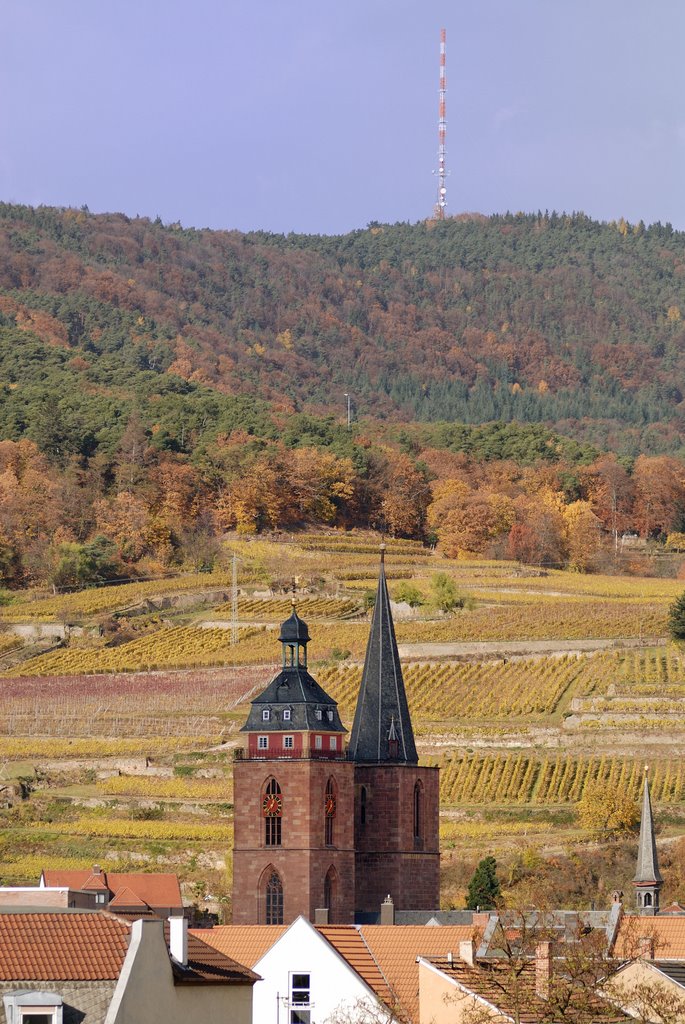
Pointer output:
x,y
647,861
382,729
648,879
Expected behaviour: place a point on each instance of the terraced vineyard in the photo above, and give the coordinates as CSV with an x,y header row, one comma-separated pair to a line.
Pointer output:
x,y
85,603
522,779
173,647
309,608
480,690
136,725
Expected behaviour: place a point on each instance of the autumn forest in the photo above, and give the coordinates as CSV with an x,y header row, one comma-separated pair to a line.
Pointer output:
x,y
514,385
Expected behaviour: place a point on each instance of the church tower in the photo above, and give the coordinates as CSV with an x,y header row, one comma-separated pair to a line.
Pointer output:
x,y
648,879
293,800
396,813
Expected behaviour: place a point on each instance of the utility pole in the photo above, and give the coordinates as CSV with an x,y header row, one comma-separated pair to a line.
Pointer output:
x,y
234,601
349,410
441,200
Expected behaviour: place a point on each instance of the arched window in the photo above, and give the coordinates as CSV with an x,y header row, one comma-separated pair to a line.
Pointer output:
x,y
330,803
329,890
272,809
648,899
274,899
362,806
418,810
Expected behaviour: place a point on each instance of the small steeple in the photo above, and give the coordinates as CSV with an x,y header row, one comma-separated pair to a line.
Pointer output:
x,y
648,879
382,730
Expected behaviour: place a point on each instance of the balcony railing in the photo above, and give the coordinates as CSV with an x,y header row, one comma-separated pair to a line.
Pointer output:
x,y
279,752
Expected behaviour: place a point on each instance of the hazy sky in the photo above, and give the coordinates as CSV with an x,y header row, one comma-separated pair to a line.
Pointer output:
x,y
322,116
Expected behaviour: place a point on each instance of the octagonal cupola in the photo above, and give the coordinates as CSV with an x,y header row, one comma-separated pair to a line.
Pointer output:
x,y
294,716
294,637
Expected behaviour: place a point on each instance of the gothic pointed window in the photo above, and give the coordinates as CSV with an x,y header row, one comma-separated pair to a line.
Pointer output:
x,y
274,899
272,809
362,806
329,812
418,811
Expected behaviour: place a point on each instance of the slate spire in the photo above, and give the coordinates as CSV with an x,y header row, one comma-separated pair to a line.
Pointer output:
x,y
382,730
648,879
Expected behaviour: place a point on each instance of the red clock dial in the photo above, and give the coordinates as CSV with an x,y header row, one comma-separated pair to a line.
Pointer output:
x,y
272,806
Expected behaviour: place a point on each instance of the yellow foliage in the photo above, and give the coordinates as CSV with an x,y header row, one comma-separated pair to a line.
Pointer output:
x,y
608,810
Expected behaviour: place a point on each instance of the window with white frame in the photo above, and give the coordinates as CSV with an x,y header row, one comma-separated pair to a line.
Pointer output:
x,y
300,999
26,1007
266,715
262,742
329,715
318,742
318,714
334,742
100,897
286,715
288,742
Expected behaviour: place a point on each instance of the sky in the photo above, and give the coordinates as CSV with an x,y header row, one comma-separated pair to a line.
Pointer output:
x,y
322,116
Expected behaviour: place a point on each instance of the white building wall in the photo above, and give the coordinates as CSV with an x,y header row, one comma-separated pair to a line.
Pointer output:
x,y
301,950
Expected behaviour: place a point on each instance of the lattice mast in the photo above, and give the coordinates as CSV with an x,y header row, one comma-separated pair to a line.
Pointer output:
x,y
441,199
234,601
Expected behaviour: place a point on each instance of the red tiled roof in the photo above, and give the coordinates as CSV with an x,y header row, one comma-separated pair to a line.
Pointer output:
x,y
127,898
207,964
350,943
245,943
396,947
61,947
516,998
667,933
154,888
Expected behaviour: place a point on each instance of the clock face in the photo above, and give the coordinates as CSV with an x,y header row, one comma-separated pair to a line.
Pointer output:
x,y
272,806
330,806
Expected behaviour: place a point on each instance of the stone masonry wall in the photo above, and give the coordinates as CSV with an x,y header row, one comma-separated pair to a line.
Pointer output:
x,y
302,860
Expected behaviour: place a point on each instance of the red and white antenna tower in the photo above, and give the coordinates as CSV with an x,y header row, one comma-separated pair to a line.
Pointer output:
x,y
441,200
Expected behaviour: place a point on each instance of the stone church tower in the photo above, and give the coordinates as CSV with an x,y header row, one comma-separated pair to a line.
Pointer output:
x,y
321,826
397,803
293,800
648,879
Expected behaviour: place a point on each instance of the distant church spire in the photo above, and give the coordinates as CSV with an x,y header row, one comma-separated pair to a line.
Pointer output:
x,y
648,879
382,730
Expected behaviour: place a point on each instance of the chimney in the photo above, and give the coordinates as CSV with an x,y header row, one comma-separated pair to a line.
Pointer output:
x,y
387,910
467,952
645,946
178,939
97,870
321,915
543,969
450,957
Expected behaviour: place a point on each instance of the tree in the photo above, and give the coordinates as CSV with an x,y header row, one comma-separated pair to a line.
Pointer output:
x,y
608,811
484,888
410,594
445,594
676,618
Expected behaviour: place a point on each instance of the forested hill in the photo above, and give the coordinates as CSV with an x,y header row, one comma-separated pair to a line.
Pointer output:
x,y
535,318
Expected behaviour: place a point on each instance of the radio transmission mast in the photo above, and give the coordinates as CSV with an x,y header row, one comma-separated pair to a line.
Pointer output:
x,y
441,200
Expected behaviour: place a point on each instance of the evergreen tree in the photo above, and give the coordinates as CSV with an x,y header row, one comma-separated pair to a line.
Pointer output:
x,y
676,618
484,888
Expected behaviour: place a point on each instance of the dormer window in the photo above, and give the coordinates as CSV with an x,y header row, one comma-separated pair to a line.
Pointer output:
x,y
329,715
318,714
34,1007
286,715
266,715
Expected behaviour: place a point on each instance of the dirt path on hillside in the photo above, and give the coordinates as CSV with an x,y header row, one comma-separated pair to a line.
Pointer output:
x,y
520,648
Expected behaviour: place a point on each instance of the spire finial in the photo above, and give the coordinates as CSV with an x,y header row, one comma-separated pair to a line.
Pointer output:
x,y
382,550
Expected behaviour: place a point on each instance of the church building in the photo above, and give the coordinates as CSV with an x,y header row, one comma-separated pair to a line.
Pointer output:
x,y
324,829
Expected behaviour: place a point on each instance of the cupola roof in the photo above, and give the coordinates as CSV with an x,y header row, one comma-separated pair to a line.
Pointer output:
x,y
294,630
